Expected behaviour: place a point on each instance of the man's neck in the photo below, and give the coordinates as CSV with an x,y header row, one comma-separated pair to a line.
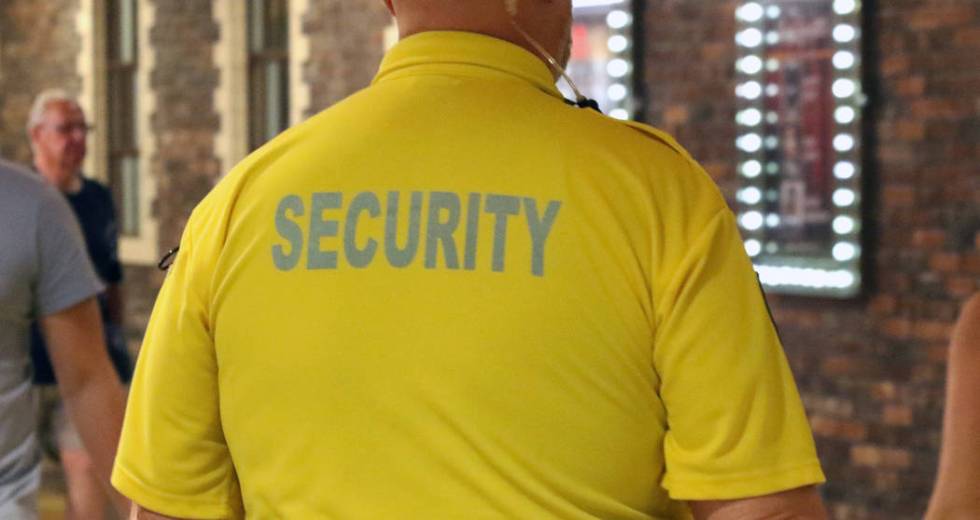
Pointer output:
x,y
74,184
484,18
68,184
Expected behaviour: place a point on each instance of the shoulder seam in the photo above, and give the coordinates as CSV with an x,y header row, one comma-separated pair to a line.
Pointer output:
x,y
659,135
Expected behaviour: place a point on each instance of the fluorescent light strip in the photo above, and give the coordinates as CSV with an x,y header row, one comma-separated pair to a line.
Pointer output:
x,y
811,278
584,4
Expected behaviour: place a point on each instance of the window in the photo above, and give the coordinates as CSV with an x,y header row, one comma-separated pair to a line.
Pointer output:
x,y
800,99
601,64
268,44
122,99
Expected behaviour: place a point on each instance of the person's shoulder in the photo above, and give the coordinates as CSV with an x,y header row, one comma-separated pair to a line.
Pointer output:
x,y
94,196
627,136
972,307
17,177
652,150
96,188
968,324
659,138
31,203
23,187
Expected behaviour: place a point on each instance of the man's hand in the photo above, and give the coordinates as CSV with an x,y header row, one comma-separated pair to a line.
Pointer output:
x,y
91,391
796,504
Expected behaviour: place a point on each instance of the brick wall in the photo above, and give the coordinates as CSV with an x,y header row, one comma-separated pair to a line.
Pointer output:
x,y
871,370
185,122
688,74
345,49
38,49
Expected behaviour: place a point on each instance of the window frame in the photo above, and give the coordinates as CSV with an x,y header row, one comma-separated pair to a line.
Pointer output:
x,y
123,137
259,129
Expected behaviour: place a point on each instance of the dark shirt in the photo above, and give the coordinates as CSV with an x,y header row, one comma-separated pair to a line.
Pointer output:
x,y
94,208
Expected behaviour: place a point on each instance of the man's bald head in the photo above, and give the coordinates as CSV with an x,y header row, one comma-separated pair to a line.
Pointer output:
x,y
547,21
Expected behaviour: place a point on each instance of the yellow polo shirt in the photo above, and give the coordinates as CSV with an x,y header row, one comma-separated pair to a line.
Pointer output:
x,y
454,296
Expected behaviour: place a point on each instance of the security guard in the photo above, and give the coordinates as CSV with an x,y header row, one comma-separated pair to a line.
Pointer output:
x,y
454,295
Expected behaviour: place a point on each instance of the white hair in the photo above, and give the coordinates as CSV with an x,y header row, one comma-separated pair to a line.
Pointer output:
x,y
44,100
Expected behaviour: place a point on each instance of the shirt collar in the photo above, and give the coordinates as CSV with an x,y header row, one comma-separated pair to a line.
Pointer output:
x,y
439,48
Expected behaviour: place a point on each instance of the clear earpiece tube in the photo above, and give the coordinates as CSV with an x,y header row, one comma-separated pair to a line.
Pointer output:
x,y
551,61
580,100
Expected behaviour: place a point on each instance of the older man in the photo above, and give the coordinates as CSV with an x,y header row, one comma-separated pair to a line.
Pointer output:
x,y
45,275
58,130
455,295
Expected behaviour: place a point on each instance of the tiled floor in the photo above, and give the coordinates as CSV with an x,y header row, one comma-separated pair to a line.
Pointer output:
x,y
52,501
51,504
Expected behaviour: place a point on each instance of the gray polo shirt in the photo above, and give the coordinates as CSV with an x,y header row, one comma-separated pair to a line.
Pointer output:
x,y
44,269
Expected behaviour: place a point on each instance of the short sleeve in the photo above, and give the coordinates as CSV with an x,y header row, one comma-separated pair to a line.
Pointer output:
x,y
172,456
736,425
65,275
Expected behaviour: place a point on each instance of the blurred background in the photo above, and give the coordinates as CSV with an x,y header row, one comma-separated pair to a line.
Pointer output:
x,y
844,133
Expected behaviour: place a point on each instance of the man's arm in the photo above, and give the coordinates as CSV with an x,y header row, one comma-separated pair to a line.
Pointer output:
x,y
957,495
94,398
796,504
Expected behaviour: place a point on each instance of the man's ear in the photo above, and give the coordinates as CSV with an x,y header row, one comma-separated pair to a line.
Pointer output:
x,y
34,133
390,6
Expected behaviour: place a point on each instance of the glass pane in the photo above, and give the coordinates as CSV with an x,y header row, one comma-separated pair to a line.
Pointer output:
x,y
277,23
268,101
273,94
122,110
112,29
257,111
115,114
132,111
283,100
269,70
131,191
127,31
257,25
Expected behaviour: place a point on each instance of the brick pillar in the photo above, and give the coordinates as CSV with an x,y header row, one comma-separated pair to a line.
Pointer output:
x,y
39,46
346,46
186,121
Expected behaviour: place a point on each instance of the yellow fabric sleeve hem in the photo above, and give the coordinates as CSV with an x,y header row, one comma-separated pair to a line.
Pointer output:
x,y
745,485
164,503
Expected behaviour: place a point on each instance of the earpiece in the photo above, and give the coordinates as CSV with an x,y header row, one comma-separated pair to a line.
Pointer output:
x,y
580,100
